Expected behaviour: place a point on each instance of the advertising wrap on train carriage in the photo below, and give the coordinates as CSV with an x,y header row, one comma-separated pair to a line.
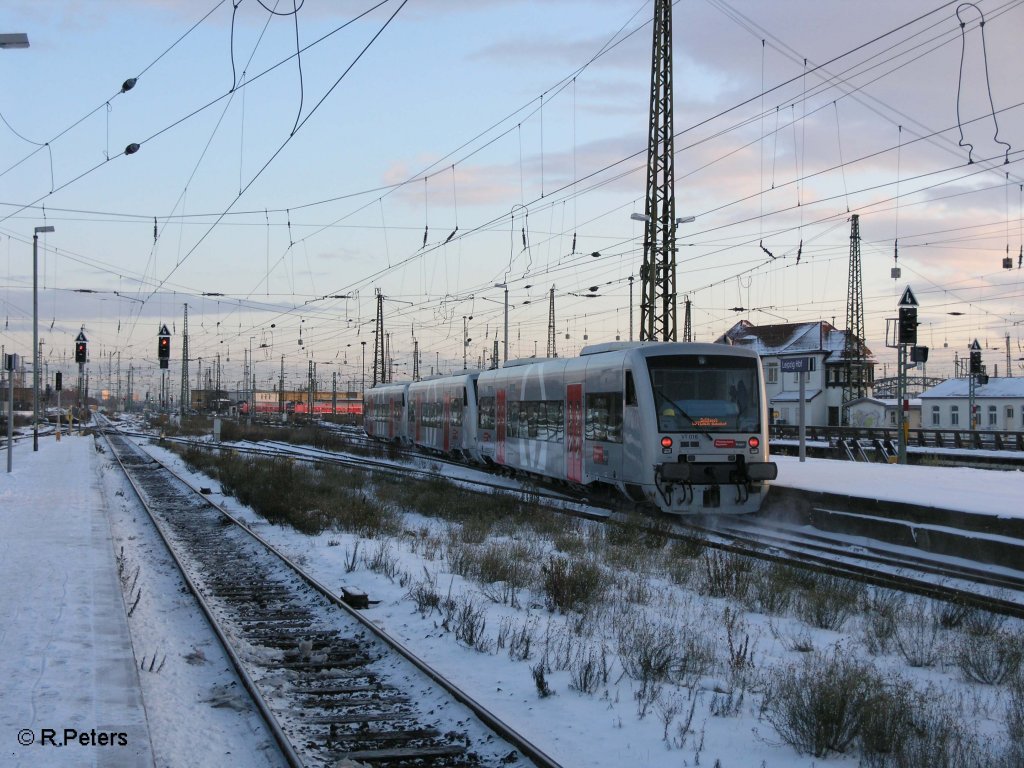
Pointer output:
x,y
574,432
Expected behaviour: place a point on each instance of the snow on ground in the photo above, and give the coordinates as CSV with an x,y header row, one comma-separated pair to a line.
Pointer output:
x,y
599,730
984,491
58,512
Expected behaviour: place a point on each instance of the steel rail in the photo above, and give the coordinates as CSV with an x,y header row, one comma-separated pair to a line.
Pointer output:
x,y
502,729
283,743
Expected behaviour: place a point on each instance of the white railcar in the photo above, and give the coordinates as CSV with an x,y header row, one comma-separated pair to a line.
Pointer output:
x,y
385,415
442,415
679,426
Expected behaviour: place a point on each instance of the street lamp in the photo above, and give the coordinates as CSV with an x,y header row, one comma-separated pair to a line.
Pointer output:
x,y
645,218
35,332
505,286
362,387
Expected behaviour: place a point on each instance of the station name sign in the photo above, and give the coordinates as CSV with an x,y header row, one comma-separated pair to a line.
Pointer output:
x,y
796,364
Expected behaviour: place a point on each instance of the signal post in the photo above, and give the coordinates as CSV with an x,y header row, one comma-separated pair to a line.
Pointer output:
x,y
906,336
81,356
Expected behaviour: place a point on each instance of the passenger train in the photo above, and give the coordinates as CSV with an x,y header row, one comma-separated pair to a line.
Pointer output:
x,y
682,427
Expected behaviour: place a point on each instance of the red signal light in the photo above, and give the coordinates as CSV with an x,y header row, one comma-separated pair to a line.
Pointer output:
x,y
666,442
754,442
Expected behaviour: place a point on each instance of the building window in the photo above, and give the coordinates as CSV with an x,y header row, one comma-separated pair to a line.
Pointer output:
x,y
935,416
954,415
992,416
892,418
772,373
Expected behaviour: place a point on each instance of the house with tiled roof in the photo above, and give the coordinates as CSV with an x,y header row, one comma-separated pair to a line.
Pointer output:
x,y
999,405
823,386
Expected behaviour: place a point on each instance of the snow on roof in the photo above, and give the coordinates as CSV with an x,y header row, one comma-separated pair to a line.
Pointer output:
x,y
789,396
788,338
1004,387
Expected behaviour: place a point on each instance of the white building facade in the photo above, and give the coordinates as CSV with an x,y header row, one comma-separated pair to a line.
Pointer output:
x,y
999,405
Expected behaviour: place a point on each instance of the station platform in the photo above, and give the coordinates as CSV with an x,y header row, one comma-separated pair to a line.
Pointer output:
x,y
71,686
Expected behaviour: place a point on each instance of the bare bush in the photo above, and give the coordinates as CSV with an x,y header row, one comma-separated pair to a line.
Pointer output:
x,y
878,627
940,739
589,669
830,602
383,560
918,634
772,588
424,594
468,622
540,680
991,659
724,574
519,640
654,652
887,723
572,584
818,706
1015,711
647,651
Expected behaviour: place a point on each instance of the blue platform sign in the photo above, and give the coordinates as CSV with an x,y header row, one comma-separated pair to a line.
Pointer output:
x,y
796,364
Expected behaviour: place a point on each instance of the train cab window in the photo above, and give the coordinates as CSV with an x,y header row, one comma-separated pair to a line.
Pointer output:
x,y
630,389
713,393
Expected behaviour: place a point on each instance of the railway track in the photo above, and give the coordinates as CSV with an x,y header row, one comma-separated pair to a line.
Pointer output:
x,y
960,580
857,556
330,686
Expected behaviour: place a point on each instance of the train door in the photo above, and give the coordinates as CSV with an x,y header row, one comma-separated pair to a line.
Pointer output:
x,y
632,428
574,432
392,417
501,425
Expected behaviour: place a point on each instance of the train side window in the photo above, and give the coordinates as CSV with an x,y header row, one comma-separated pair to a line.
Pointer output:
x,y
556,417
485,419
630,389
512,419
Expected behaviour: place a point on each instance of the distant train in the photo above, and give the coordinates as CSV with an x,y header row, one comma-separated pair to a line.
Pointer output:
x,y
682,427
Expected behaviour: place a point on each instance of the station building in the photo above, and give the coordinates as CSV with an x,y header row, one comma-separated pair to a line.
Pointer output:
x,y
820,341
999,405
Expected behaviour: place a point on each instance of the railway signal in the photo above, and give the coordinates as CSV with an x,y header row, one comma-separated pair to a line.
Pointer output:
x,y
905,336
163,346
81,352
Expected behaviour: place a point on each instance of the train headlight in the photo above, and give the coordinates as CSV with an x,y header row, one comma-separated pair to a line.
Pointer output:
x,y
754,443
666,442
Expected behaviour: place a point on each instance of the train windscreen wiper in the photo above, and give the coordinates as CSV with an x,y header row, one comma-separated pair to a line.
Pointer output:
x,y
684,414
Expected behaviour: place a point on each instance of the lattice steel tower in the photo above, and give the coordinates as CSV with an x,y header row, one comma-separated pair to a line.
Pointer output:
x,y
855,382
552,351
687,323
658,272
379,360
185,398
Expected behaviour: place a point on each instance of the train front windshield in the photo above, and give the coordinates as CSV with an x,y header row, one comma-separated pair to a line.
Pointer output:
x,y
707,393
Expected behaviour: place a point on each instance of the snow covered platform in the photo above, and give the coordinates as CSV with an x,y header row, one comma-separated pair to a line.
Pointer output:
x,y
71,685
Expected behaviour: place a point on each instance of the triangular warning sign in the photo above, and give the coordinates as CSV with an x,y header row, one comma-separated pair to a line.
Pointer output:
x,y
908,299
81,336
165,332
975,345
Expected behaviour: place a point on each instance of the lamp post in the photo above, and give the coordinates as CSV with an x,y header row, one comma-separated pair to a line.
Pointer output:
x,y
35,334
658,280
505,286
362,387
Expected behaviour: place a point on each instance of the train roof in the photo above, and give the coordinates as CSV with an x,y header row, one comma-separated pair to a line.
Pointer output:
x,y
651,348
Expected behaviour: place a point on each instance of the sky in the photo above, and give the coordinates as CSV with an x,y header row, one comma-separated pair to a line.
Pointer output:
x,y
434,148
